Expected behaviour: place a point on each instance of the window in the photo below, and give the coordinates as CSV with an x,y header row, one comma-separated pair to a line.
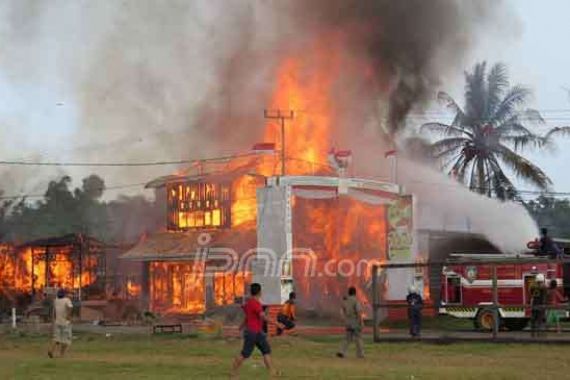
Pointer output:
x,y
453,290
198,206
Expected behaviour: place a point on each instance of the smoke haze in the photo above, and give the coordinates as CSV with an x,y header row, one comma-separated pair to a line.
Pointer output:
x,y
144,80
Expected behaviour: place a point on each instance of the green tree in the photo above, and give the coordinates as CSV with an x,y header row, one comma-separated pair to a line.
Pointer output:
x,y
483,143
551,213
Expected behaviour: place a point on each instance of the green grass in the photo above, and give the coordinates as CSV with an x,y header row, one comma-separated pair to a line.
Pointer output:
x,y
176,357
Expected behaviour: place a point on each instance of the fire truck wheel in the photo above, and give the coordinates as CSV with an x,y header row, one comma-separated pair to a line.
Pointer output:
x,y
516,324
485,319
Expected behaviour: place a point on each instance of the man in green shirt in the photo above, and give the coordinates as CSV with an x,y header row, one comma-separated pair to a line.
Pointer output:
x,y
351,312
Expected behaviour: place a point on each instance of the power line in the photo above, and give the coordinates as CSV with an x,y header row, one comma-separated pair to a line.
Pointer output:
x,y
109,188
125,164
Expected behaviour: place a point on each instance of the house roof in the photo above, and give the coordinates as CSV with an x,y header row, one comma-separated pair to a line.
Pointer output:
x,y
59,241
215,171
173,246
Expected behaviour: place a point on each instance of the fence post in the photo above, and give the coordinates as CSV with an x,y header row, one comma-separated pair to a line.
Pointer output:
x,y
14,318
375,329
495,303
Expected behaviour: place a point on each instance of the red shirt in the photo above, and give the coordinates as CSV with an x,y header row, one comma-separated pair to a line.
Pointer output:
x,y
253,320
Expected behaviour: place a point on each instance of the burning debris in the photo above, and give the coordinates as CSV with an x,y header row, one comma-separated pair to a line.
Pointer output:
x,y
73,262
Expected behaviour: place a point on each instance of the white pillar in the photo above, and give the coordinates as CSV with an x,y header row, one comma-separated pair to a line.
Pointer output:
x,y
13,317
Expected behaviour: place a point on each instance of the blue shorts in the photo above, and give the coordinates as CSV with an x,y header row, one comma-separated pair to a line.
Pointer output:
x,y
252,340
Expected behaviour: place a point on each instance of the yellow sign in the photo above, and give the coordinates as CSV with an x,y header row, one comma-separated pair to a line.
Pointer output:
x,y
400,229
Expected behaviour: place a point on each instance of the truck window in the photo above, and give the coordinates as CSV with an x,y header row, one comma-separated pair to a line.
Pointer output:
x,y
453,289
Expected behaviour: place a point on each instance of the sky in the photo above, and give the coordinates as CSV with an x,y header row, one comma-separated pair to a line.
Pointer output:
x,y
38,117
537,57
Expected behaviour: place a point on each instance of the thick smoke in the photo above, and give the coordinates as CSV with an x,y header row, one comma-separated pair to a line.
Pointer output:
x,y
185,79
408,45
156,80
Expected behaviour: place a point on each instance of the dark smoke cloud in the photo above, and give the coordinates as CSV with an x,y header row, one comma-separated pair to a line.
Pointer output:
x,y
409,44
154,80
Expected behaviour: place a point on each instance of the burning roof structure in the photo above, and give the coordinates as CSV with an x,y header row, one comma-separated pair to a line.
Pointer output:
x,y
74,262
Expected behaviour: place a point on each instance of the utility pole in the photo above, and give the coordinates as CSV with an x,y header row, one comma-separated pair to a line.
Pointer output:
x,y
280,115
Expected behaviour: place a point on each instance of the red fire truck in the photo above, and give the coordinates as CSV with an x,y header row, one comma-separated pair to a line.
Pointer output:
x,y
467,286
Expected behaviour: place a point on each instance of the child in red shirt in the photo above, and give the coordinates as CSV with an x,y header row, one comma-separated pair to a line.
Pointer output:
x,y
253,335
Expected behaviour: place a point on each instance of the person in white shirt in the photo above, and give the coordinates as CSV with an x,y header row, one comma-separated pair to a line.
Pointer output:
x,y
62,307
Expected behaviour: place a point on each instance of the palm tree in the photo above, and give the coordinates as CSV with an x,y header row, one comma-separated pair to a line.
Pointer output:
x,y
485,138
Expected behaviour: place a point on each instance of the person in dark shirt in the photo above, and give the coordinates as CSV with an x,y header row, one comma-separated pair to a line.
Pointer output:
x,y
538,295
547,245
253,335
415,305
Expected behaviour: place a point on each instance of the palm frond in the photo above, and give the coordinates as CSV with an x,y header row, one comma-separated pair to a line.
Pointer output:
x,y
520,118
518,136
516,96
449,143
564,131
497,82
523,141
444,129
522,167
476,93
451,104
500,183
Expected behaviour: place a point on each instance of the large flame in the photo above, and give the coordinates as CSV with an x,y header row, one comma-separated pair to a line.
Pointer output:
x,y
304,86
31,269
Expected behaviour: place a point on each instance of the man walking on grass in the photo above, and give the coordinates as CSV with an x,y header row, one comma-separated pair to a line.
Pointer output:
x,y
253,335
351,312
61,341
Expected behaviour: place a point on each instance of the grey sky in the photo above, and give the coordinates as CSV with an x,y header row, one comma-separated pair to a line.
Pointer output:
x,y
38,114
537,56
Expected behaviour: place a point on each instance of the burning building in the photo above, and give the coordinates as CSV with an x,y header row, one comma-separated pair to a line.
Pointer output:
x,y
294,197
74,262
228,224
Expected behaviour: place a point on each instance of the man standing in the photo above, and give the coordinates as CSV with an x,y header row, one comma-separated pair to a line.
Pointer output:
x,y
62,307
351,312
253,335
538,295
415,305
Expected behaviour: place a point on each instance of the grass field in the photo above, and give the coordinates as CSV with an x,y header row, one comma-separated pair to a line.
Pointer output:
x,y
202,357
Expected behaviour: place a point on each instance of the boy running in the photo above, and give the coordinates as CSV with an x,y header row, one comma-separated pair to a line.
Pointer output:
x,y
253,335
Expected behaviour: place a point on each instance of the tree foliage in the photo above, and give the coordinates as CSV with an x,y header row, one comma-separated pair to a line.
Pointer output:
x,y
64,210
483,143
553,214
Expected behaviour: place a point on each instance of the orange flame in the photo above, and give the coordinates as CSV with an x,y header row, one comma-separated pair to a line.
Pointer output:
x,y
34,268
305,91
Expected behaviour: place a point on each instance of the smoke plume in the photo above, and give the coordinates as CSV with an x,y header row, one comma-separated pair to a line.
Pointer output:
x,y
147,80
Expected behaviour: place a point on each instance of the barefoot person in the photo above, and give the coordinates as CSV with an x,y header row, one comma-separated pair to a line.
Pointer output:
x,y
351,311
253,335
61,341
555,298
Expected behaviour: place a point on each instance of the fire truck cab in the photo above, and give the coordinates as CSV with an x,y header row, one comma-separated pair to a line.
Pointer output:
x,y
467,286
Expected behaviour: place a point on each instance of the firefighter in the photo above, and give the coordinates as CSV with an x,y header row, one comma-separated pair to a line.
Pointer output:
x,y
547,246
538,293
415,305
